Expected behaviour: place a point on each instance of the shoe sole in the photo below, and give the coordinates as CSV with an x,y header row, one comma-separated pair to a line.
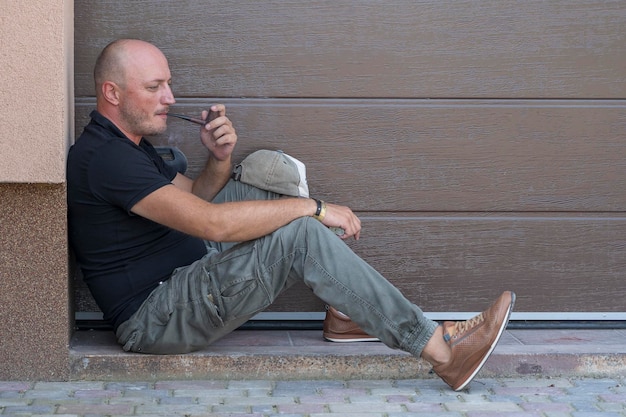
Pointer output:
x,y
348,340
493,345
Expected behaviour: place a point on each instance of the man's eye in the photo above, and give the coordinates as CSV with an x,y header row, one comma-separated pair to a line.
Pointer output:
x,y
153,87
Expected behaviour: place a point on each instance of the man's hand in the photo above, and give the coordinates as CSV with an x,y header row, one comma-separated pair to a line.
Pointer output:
x,y
343,217
218,135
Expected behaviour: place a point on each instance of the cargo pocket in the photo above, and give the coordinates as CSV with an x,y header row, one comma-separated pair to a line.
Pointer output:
x,y
160,305
242,297
210,302
129,345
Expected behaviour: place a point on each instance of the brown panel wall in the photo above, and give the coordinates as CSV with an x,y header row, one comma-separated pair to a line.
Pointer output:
x,y
407,48
527,196
449,155
482,143
553,263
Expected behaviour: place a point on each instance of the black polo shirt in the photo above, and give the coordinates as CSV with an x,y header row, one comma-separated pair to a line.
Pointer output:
x,y
123,256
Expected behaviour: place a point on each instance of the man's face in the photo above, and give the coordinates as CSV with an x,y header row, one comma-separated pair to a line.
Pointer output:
x,y
146,96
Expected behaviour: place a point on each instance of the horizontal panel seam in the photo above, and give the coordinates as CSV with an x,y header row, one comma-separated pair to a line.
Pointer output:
x,y
406,102
563,217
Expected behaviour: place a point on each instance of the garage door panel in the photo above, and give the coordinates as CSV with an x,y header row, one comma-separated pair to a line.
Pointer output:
x,y
460,263
556,263
434,155
436,48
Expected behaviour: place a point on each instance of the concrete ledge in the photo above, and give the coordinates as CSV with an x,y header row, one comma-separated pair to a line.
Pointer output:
x,y
290,355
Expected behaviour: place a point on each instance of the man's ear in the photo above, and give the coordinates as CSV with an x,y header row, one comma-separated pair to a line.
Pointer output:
x,y
111,92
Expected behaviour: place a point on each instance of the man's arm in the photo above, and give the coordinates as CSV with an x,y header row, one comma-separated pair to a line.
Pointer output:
x,y
211,180
185,205
220,138
225,222
236,221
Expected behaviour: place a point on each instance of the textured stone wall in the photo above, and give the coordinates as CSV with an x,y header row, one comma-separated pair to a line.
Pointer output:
x,y
36,92
36,125
34,306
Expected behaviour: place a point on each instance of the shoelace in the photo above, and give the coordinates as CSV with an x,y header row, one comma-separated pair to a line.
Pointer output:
x,y
461,327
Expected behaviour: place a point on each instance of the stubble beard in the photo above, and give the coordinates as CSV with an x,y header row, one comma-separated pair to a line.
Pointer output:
x,y
139,122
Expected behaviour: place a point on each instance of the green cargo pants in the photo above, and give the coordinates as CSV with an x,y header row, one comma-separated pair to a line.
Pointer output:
x,y
208,299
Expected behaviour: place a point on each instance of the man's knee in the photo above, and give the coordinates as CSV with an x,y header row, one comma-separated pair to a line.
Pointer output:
x,y
307,228
309,224
238,191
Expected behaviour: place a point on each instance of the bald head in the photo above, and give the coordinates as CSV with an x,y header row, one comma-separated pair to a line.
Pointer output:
x,y
133,91
114,61
109,65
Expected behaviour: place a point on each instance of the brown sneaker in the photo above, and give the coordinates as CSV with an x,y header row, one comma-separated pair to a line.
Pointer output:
x,y
339,328
472,341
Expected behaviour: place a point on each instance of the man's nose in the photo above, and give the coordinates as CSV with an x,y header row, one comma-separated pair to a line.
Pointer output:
x,y
168,96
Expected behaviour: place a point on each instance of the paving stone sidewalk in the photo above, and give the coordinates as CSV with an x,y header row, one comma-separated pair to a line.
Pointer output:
x,y
528,396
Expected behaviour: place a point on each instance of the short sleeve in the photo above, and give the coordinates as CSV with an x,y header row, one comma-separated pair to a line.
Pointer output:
x,y
123,173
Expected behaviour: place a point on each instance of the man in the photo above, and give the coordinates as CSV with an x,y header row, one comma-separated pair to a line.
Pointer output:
x,y
159,251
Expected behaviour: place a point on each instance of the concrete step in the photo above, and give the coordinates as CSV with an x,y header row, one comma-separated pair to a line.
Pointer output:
x,y
303,354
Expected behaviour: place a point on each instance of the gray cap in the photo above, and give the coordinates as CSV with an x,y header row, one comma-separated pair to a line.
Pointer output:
x,y
273,171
